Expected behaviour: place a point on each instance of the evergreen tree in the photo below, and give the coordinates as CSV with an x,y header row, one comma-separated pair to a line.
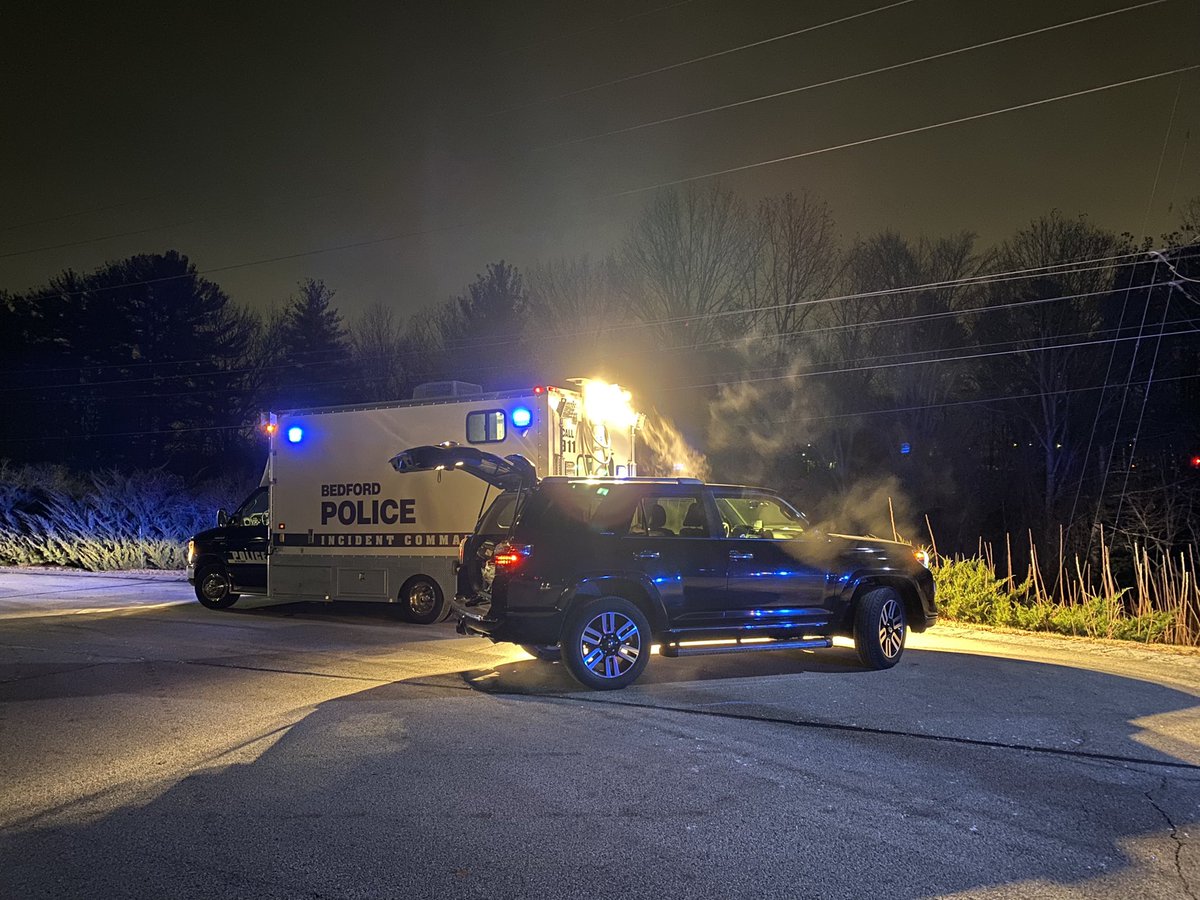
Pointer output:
x,y
313,350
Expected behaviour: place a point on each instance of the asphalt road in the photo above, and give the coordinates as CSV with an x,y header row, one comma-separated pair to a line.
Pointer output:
x,y
152,748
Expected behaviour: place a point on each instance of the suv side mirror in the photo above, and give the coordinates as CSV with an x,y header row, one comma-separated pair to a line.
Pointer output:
x,y
222,518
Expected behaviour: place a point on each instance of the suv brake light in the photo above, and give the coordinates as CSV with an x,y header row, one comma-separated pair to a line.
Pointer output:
x,y
509,556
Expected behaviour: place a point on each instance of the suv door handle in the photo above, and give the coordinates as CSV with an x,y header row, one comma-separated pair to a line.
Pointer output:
x,y
646,554
733,554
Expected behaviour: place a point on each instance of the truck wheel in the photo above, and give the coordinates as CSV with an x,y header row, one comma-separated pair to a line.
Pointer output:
x,y
214,589
421,601
880,628
544,652
606,643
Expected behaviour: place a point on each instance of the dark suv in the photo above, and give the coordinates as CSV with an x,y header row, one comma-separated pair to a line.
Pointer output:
x,y
593,570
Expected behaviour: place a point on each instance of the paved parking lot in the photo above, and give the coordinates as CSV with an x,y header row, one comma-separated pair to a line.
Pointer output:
x,y
150,747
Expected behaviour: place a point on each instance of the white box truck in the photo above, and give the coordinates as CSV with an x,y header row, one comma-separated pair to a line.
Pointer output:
x,y
333,521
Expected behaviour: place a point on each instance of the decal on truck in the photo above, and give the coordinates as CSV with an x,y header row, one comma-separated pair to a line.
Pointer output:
x,y
365,512
372,539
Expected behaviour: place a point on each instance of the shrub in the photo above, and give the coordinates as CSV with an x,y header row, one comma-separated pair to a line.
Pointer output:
x,y
108,520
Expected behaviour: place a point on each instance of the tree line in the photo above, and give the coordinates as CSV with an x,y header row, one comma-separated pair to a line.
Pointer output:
x,y
1044,382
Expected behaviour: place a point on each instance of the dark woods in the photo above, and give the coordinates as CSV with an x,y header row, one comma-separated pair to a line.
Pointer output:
x,y
1050,382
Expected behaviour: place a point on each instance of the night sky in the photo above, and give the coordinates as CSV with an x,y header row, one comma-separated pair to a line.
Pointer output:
x,y
240,136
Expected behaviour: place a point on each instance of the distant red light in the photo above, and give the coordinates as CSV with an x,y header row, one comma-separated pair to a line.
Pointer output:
x,y
1196,462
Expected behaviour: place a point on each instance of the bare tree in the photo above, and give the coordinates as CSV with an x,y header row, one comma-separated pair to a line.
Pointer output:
x,y
383,353
796,262
688,259
1048,324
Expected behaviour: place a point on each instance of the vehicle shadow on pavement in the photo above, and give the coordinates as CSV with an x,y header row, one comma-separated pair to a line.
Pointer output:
x,y
535,676
410,789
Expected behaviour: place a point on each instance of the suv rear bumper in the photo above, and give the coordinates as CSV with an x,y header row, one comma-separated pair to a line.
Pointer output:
x,y
474,619
531,626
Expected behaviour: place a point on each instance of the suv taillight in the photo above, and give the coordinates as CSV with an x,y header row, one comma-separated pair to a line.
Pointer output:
x,y
509,556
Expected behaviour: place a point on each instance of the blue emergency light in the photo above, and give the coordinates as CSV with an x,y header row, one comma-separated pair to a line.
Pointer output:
x,y
295,434
521,417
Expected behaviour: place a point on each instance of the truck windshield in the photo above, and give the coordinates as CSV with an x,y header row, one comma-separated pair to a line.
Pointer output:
x,y
253,510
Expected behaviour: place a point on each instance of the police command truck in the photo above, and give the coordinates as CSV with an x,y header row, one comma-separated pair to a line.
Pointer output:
x,y
328,523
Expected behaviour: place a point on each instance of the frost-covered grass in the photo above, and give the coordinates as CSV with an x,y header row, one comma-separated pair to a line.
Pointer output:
x,y
103,521
1162,605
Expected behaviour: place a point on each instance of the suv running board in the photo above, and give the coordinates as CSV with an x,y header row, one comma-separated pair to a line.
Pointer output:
x,y
678,649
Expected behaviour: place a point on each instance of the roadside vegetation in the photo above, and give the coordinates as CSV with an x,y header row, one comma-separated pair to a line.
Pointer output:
x,y
111,521
103,521
1158,602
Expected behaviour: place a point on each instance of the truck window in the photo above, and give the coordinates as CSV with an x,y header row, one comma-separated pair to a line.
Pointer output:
x,y
485,426
253,510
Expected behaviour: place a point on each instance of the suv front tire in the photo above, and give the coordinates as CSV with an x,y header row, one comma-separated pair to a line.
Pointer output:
x,y
606,643
880,628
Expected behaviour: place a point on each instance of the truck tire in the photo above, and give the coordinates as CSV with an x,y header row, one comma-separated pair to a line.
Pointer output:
x,y
880,628
606,643
214,589
421,601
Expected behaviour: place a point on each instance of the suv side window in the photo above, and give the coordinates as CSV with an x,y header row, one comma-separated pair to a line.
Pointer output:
x,y
751,515
669,515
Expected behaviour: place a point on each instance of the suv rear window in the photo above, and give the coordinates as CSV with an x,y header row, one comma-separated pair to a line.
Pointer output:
x,y
499,516
604,508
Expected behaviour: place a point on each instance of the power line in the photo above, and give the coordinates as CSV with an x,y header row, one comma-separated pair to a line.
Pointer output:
x,y
952,403
613,195
73,215
918,130
892,411
919,362
973,280
570,34
703,58
1025,342
775,95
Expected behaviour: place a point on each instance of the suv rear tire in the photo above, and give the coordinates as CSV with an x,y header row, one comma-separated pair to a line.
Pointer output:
x,y
606,643
880,628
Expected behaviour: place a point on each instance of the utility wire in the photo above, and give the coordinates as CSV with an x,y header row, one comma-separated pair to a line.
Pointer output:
x,y
775,95
920,362
871,412
1067,267
356,378
507,342
918,130
632,191
703,58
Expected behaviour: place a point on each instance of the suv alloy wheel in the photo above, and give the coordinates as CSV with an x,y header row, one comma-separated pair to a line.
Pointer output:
x,y
880,628
606,643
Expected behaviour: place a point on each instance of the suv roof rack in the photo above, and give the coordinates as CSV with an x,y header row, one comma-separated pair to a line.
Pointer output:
x,y
637,479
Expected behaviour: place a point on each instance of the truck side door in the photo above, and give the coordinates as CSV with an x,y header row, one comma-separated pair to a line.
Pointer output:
x,y
246,543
